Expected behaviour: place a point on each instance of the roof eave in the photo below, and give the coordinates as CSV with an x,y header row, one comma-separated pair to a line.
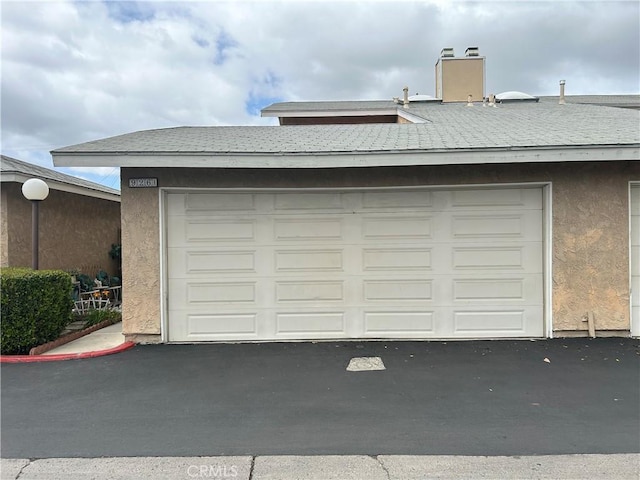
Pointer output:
x,y
17,177
303,160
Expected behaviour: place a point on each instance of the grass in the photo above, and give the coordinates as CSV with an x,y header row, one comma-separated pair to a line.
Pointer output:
x,y
93,317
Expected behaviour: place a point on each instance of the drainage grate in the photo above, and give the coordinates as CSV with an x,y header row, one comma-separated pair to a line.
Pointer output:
x,y
363,364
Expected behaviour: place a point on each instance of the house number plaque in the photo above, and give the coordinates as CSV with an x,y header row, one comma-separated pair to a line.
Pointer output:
x,y
143,183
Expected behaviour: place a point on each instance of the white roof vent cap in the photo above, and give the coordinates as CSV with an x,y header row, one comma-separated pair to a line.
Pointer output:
x,y
514,96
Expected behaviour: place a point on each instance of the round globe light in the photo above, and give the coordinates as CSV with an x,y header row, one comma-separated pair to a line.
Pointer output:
x,y
35,189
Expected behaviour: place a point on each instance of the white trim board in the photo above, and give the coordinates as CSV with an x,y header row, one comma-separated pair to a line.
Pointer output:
x,y
301,160
634,259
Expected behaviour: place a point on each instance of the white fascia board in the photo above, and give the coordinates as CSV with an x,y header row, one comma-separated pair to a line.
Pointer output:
x,y
62,187
331,113
351,159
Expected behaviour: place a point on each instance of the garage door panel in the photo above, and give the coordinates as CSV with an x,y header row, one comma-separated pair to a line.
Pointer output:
x,y
218,202
311,324
398,290
216,293
370,264
396,259
308,201
396,199
305,229
508,198
635,228
399,324
211,262
635,200
482,226
202,203
635,253
490,289
310,291
207,295
219,231
504,226
484,258
396,227
309,260
222,325
489,321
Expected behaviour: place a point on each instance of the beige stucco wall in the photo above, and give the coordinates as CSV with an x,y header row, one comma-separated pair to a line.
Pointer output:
x,y
76,231
140,260
456,78
590,229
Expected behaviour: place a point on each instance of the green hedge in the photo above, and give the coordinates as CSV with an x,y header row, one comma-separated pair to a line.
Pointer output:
x,y
35,306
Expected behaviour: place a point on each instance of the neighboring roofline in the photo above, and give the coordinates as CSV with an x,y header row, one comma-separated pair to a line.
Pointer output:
x,y
17,177
399,158
398,111
19,171
330,113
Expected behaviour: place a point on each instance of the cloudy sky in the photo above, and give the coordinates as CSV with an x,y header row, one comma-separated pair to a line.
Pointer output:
x,y
75,71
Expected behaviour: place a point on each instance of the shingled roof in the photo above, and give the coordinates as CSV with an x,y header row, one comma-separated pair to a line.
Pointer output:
x,y
448,128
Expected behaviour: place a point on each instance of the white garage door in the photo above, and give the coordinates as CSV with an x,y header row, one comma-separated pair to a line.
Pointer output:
x,y
354,264
635,260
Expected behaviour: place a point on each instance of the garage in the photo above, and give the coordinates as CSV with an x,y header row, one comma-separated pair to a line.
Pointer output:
x,y
412,263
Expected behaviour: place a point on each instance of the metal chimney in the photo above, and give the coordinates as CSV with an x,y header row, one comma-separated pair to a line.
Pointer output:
x,y
561,101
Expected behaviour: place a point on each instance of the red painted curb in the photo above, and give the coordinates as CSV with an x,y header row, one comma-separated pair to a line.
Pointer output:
x,y
65,356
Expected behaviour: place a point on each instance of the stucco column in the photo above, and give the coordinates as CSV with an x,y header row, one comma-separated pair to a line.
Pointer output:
x,y
140,264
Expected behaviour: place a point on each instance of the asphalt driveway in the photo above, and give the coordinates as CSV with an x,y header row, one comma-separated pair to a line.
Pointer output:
x,y
434,398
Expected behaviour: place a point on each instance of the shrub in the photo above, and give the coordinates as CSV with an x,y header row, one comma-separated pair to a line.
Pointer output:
x,y
96,316
86,282
35,306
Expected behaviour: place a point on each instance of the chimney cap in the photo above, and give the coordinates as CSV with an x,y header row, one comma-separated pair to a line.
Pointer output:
x,y
447,52
472,52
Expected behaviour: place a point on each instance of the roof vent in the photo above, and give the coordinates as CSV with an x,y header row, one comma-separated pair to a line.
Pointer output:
x,y
447,52
471,52
506,97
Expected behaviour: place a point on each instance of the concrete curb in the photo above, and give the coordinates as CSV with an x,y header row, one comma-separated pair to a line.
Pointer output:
x,y
65,356
328,467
